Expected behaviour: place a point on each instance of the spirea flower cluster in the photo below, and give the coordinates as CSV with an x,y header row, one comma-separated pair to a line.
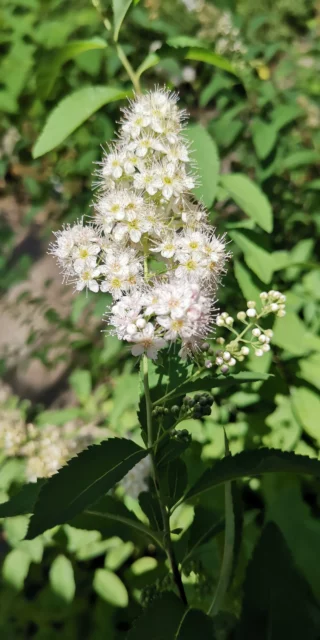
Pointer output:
x,y
45,449
149,243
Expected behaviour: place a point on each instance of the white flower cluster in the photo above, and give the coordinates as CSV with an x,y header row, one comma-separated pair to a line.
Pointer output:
x,y
253,336
149,243
45,449
136,480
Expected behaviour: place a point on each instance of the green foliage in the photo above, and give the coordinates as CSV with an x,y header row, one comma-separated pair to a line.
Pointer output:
x,y
253,463
255,121
87,477
71,112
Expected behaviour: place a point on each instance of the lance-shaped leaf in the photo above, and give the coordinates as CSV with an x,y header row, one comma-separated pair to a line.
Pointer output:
x,y
253,463
23,502
168,618
86,478
112,518
249,198
71,112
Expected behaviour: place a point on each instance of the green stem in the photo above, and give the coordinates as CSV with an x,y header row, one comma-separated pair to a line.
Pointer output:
x,y
228,551
164,513
129,69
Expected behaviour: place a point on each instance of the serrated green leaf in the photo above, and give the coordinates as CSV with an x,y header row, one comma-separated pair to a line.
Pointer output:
x,y
205,156
80,483
110,516
71,112
61,578
160,620
110,588
253,463
23,502
120,8
277,600
259,260
249,197
195,624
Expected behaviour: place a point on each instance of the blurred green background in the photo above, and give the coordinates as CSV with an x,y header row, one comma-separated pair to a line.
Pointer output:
x,y
65,382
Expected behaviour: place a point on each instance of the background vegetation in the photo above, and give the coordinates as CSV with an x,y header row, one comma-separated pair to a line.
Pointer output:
x,y
248,73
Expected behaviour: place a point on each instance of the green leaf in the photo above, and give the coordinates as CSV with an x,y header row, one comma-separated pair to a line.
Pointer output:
x,y
245,281
300,159
291,333
264,137
61,578
117,556
110,588
151,508
110,516
71,112
81,383
195,624
285,113
253,463
310,370
45,80
120,8
168,618
160,620
15,568
80,483
58,416
277,600
23,502
307,409
250,198
205,526
203,55
259,260
205,156
286,506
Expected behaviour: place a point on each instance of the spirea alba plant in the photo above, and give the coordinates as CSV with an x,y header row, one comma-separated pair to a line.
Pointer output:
x,y
149,244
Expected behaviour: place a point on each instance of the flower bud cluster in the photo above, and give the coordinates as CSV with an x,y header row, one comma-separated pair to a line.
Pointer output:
x,y
145,213
252,338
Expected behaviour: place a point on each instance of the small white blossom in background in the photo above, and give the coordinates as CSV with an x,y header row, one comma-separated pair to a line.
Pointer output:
x,y
253,337
45,449
136,480
145,210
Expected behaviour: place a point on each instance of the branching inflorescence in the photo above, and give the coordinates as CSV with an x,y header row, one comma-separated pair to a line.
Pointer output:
x,y
149,243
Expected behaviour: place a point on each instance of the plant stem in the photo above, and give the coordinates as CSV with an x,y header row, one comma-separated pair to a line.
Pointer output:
x,y
129,69
228,551
164,513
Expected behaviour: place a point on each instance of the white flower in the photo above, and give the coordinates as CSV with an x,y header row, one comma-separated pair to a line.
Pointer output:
x,y
147,342
113,165
85,256
147,180
87,279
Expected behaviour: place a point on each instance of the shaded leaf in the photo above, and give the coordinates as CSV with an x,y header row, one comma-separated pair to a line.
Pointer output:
x,y
45,80
23,502
253,463
257,258
277,600
80,483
